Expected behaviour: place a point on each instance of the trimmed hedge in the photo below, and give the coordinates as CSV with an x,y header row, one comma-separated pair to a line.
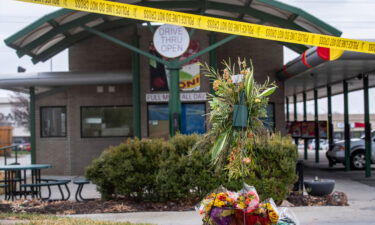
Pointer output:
x,y
158,170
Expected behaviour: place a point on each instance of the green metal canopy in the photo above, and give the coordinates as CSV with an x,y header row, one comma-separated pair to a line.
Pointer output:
x,y
59,30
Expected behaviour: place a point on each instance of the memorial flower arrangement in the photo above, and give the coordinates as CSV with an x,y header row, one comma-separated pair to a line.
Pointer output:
x,y
237,97
223,207
238,107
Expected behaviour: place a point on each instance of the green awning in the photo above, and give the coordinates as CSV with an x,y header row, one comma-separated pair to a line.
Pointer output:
x,y
59,30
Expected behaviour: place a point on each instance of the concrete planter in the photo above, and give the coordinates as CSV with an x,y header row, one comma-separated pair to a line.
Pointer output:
x,y
319,187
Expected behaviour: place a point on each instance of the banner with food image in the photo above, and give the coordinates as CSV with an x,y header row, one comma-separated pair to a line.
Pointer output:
x,y
189,73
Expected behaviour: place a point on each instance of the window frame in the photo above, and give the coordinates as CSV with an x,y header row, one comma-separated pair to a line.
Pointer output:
x,y
166,103
273,115
41,120
103,106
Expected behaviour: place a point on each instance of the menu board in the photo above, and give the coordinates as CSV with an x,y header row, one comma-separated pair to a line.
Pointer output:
x,y
294,129
306,129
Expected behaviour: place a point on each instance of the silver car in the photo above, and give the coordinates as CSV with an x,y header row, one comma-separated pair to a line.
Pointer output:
x,y
336,154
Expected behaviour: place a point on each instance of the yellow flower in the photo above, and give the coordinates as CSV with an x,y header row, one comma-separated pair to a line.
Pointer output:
x,y
274,217
269,206
216,85
241,205
257,100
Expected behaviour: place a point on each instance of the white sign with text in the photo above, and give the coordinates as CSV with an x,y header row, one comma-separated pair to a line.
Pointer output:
x,y
171,41
184,97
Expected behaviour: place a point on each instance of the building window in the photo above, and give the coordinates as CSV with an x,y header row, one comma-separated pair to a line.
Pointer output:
x,y
269,121
107,121
53,121
192,119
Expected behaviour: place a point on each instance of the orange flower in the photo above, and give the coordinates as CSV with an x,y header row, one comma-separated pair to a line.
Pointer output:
x,y
246,160
229,81
216,85
226,74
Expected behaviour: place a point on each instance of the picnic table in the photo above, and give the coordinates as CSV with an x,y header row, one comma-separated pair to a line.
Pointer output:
x,y
16,182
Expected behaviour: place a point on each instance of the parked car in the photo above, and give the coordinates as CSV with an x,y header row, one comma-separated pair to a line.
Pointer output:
x,y
336,154
21,145
27,147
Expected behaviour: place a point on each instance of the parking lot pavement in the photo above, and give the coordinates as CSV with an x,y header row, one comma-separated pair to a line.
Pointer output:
x,y
322,169
22,159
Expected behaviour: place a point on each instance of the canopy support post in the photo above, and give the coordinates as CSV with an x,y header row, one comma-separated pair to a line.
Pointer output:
x,y
287,108
32,125
330,124
316,116
174,100
347,127
367,126
295,115
305,119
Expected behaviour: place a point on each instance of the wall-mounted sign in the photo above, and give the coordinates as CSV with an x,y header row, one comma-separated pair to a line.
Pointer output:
x,y
171,41
184,97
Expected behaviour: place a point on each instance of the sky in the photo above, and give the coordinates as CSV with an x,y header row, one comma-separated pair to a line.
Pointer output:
x,y
356,18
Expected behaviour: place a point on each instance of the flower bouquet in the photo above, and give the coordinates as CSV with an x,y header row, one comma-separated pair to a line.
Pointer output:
x,y
217,208
265,214
220,207
223,207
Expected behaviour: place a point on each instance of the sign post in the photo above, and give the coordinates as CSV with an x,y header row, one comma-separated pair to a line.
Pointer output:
x,y
172,41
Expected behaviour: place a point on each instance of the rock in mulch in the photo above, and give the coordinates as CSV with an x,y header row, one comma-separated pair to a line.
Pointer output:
x,y
335,199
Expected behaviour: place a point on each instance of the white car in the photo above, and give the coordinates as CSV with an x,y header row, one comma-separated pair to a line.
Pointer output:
x,y
357,152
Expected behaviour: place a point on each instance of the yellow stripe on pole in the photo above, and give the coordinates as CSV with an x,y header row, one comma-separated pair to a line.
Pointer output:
x,y
210,24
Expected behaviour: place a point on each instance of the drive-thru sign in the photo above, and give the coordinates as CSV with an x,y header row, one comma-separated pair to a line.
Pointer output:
x,y
171,41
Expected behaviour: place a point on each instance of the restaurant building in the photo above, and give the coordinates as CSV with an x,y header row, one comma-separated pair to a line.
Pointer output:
x,y
117,87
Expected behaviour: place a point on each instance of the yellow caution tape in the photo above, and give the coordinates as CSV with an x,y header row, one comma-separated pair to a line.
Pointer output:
x,y
211,24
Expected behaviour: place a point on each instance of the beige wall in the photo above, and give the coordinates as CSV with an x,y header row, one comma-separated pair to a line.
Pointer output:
x,y
70,155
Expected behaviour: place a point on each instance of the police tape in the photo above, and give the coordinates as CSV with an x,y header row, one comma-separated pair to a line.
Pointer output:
x,y
211,24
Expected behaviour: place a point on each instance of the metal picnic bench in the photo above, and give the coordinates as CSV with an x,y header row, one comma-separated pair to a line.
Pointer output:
x,y
48,183
81,182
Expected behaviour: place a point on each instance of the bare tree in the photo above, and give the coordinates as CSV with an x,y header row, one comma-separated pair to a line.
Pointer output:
x,y
20,109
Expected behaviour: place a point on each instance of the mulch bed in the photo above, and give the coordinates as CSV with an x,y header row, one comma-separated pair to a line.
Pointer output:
x,y
334,199
123,205
88,207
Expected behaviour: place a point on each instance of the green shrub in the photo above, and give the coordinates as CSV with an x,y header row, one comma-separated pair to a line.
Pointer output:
x,y
186,175
129,169
159,170
273,174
